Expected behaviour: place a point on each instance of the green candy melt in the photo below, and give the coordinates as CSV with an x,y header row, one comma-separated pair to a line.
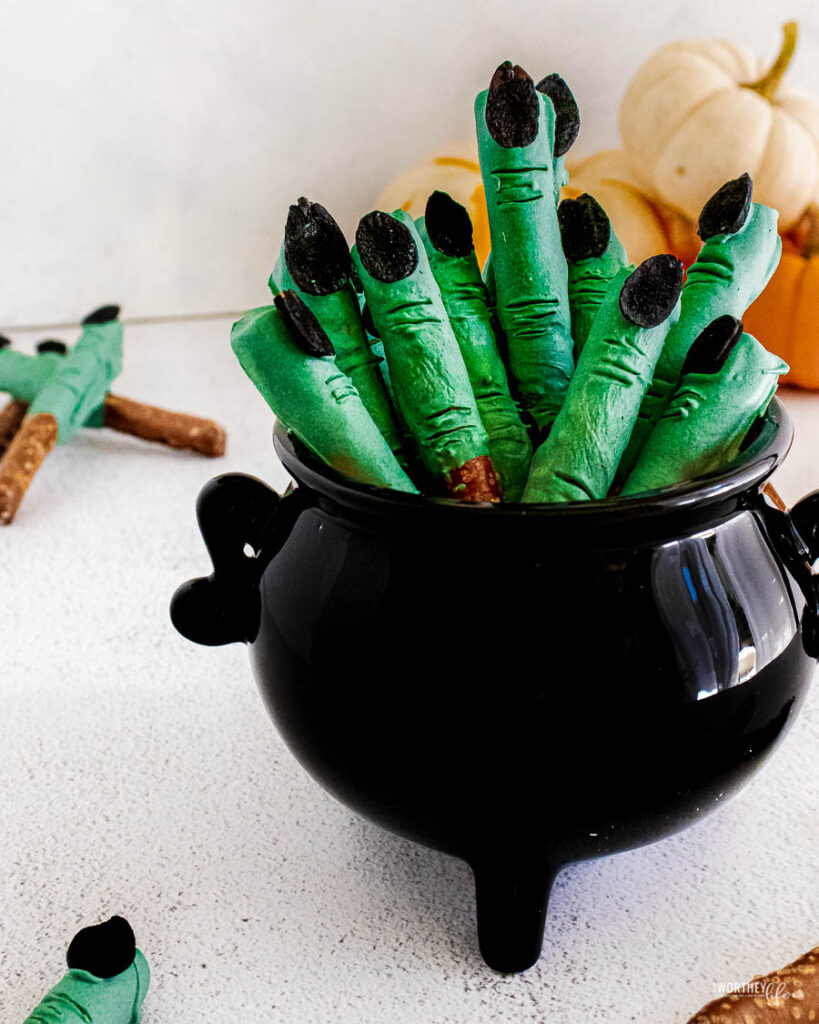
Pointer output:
x,y
530,280
75,390
561,176
729,273
338,313
81,996
23,376
427,371
704,424
589,280
464,297
578,459
315,400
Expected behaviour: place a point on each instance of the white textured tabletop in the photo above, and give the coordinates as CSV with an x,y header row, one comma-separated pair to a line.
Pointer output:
x,y
142,776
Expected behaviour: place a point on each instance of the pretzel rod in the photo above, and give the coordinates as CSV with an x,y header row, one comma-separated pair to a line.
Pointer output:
x,y
789,994
516,136
740,252
579,458
594,255
446,231
11,416
728,379
33,441
771,492
175,429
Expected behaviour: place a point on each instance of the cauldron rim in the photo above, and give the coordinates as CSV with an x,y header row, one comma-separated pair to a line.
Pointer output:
x,y
747,472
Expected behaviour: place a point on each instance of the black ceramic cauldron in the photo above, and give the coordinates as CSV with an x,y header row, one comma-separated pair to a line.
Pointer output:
x,y
520,686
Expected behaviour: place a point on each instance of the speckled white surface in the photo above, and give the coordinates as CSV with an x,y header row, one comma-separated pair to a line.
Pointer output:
x,y
141,776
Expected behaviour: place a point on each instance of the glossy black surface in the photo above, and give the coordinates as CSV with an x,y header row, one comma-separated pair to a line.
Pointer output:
x,y
526,686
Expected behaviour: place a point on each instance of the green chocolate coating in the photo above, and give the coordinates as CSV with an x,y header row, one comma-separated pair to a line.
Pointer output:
x,y
588,282
561,176
528,268
704,424
23,376
81,996
428,373
81,379
464,297
727,276
338,313
589,276
578,459
315,400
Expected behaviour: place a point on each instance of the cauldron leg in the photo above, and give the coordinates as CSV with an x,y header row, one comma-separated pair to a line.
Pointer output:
x,y
512,895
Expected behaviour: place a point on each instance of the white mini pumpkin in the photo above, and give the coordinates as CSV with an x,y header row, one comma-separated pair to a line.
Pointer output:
x,y
699,112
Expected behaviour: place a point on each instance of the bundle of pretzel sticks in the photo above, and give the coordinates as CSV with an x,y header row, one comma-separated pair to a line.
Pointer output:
x,y
557,372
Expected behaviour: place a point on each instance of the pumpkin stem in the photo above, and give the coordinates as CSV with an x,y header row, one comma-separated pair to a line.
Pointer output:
x,y
810,243
770,81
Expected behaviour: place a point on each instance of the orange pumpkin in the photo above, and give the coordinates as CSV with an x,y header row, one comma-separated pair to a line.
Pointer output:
x,y
785,317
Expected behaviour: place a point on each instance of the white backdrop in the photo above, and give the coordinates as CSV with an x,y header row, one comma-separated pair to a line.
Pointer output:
x,y
151,148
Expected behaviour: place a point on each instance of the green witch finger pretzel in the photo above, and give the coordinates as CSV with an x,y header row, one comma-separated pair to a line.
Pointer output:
x,y
515,126
579,458
740,253
427,370
728,379
567,125
76,387
315,263
106,982
594,255
287,355
446,232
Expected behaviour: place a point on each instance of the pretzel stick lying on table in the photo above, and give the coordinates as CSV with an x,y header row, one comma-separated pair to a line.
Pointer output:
x,y
58,391
73,388
789,994
22,376
25,449
32,442
174,429
149,422
11,416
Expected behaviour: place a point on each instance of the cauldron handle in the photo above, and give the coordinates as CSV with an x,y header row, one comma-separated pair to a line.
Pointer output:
x,y
796,536
512,896
233,511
